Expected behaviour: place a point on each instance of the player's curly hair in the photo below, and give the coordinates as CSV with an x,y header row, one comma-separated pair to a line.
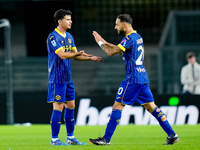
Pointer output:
x,y
125,18
60,14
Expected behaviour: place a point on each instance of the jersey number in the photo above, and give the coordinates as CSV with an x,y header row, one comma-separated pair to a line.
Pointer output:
x,y
120,90
139,61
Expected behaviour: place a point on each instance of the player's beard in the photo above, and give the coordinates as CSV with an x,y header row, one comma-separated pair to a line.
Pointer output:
x,y
121,32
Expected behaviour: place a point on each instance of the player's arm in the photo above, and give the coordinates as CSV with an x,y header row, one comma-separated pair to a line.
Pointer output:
x,y
84,56
65,55
107,47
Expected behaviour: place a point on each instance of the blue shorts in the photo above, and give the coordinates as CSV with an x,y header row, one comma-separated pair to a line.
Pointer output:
x,y
60,93
128,93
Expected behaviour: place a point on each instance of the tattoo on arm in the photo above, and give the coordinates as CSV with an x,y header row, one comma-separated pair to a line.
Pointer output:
x,y
105,48
111,49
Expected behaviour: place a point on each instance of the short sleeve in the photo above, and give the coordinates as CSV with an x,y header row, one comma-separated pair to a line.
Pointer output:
x,y
55,43
125,43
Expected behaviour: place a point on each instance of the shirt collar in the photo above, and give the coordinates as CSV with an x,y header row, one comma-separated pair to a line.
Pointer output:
x,y
134,31
193,64
58,31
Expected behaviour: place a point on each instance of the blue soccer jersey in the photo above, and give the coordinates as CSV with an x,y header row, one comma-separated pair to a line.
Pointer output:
x,y
133,55
59,69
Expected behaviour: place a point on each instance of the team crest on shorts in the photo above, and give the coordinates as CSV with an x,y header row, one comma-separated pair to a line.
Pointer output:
x,y
58,97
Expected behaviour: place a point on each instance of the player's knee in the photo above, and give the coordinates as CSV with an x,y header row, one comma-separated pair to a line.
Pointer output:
x,y
70,104
150,107
118,106
58,106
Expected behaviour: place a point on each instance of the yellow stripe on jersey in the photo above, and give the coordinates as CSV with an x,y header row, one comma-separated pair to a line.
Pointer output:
x,y
63,35
58,50
121,47
73,48
51,37
134,31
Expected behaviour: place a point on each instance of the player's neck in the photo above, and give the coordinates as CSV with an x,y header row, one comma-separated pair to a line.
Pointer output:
x,y
62,30
129,30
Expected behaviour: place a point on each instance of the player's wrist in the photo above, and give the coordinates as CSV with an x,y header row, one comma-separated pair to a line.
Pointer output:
x,y
76,54
100,43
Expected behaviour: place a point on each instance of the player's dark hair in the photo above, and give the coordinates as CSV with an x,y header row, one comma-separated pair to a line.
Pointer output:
x,y
60,14
125,18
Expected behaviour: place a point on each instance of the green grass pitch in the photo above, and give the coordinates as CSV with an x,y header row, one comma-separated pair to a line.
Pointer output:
x,y
130,137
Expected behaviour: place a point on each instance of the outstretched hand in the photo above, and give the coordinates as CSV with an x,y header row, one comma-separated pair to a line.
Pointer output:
x,y
79,53
87,55
95,58
84,56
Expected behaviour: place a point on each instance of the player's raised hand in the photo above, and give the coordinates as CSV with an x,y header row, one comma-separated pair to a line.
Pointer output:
x,y
98,37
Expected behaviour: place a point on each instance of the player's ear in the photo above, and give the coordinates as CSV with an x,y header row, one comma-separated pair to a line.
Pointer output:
x,y
125,25
59,21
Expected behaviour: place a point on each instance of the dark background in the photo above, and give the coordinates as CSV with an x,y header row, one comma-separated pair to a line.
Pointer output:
x,y
149,17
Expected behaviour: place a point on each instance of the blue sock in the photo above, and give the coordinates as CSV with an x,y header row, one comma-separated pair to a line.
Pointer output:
x,y
55,123
69,121
112,124
157,113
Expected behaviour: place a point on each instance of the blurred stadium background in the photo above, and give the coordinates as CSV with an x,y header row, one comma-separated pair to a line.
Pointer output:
x,y
169,28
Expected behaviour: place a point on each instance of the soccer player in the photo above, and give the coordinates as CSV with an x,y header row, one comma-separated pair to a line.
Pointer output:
x,y
135,86
61,93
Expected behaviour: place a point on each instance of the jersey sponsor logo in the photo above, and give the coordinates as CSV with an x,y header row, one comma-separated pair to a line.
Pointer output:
x,y
53,42
67,48
140,69
179,115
